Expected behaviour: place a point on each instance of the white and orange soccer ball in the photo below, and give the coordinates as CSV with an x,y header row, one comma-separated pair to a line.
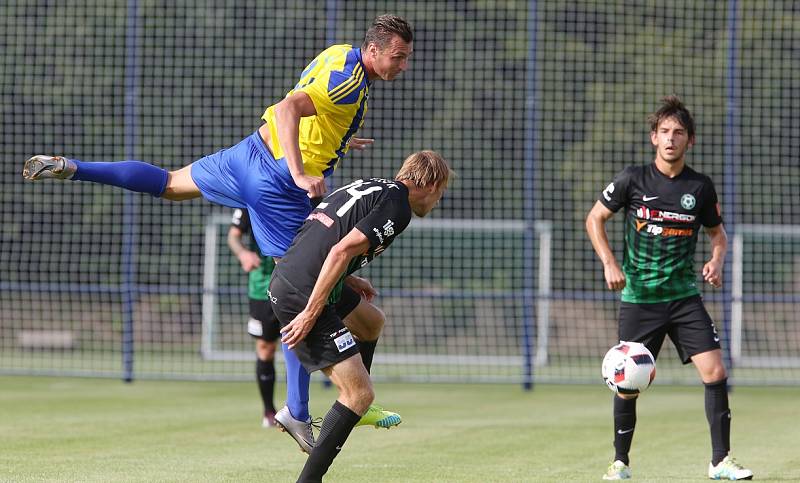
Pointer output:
x,y
628,368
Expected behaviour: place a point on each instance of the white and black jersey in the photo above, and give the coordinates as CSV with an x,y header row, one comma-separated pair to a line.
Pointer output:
x,y
378,208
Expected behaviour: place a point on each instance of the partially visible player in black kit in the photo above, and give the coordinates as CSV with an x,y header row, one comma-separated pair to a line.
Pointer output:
x,y
666,202
345,232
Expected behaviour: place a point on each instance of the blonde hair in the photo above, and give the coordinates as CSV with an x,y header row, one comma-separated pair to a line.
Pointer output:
x,y
425,169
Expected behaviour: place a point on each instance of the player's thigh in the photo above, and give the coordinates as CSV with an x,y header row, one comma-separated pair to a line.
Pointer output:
x,y
180,185
691,328
643,323
220,177
329,341
277,209
364,319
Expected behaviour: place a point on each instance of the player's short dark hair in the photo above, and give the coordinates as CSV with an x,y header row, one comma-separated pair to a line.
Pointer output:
x,y
386,26
672,106
425,169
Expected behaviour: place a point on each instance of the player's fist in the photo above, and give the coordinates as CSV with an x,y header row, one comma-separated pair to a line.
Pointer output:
x,y
615,279
313,184
712,274
249,260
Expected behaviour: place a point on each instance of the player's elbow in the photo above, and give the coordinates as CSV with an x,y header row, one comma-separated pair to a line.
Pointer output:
x,y
591,222
286,113
294,107
339,253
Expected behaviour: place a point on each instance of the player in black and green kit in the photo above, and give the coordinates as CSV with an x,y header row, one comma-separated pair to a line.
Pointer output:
x,y
262,325
666,203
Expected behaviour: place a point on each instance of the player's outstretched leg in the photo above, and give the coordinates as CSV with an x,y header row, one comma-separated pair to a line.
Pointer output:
x,y
301,431
379,418
729,469
131,175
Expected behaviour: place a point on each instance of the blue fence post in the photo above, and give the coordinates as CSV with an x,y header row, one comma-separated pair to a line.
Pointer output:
x,y
731,162
528,205
331,15
129,207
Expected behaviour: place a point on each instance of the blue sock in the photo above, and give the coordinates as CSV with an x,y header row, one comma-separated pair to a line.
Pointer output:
x,y
132,175
297,383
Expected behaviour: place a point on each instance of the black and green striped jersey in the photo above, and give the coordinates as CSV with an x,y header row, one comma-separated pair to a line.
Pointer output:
x,y
662,218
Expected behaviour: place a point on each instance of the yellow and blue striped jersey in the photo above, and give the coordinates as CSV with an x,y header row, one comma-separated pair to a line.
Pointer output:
x,y
337,84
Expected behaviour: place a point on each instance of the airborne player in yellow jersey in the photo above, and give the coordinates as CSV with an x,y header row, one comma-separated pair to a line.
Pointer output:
x,y
276,171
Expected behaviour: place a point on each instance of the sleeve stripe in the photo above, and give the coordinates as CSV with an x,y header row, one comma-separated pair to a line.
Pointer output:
x,y
358,74
350,89
344,86
347,85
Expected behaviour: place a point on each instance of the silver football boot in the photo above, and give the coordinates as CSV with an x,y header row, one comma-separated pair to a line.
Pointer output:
x,y
42,166
301,431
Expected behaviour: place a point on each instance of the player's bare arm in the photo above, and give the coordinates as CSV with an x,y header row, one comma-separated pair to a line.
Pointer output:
x,y
287,114
596,228
712,270
248,259
334,266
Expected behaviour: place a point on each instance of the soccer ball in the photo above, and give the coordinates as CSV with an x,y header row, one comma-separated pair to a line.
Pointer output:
x,y
628,368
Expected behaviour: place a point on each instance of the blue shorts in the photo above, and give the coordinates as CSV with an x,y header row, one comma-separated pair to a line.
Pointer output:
x,y
248,176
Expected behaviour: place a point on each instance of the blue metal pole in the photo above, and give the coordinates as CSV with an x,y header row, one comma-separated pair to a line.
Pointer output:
x,y
331,14
528,204
731,162
331,11
129,208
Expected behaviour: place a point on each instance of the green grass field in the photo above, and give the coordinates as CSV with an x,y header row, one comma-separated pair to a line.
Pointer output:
x,y
103,430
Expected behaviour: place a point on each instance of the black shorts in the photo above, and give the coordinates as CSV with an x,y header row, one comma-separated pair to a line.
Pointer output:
x,y
264,325
329,341
686,321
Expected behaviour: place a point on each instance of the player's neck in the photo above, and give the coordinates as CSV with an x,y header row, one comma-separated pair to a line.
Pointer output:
x,y
371,74
670,169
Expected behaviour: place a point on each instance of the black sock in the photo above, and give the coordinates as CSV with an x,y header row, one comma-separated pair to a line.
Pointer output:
x,y
718,414
367,349
336,427
265,375
624,424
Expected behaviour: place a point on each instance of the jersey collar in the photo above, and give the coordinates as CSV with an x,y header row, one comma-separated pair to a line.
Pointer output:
x,y
361,61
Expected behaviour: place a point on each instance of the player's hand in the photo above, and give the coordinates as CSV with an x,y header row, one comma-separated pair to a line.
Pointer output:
x,y
615,279
360,143
362,286
313,184
249,260
297,330
712,273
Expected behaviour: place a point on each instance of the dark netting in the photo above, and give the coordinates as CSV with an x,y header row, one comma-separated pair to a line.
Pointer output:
x,y
536,105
